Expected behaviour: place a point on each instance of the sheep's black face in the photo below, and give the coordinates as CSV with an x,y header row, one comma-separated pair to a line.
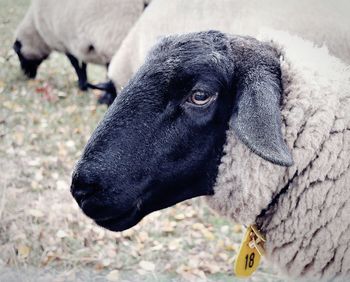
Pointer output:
x,y
162,139
29,66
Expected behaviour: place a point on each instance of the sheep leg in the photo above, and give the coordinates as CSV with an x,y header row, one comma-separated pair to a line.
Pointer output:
x,y
80,70
83,84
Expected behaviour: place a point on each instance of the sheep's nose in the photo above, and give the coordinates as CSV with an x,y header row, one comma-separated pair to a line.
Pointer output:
x,y
83,186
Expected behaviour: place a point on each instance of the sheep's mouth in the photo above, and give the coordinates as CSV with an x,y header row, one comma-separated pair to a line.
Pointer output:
x,y
109,217
121,222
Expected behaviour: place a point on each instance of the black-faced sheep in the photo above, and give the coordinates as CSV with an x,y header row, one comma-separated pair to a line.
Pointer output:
x,y
262,129
87,31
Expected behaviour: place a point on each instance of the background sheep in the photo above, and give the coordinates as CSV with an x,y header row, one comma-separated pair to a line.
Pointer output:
x,y
320,21
87,31
163,141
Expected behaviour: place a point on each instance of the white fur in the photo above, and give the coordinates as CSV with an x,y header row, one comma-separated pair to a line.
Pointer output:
x,y
71,26
321,21
308,226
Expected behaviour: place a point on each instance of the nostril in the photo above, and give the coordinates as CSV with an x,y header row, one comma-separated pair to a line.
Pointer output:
x,y
82,188
81,193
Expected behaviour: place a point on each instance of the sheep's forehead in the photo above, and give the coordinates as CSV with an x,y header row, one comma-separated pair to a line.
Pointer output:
x,y
178,60
182,48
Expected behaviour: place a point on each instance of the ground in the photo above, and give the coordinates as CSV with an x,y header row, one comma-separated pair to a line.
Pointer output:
x,y
44,124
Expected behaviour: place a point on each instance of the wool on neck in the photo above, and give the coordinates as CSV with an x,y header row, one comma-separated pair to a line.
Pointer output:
x,y
312,195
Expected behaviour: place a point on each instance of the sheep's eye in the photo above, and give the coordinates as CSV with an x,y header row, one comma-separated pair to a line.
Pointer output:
x,y
201,98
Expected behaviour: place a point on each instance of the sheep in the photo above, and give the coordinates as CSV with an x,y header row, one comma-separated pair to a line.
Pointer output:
x,y
87,31
320,21
261,128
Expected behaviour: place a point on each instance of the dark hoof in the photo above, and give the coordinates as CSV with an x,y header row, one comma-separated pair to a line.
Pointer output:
x,y
83,86
106,98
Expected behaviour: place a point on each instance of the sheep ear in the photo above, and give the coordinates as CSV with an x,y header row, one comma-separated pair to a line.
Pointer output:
x,y
17,46
256,116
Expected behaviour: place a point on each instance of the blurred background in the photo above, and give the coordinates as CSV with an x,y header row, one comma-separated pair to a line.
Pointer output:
x,y
44,124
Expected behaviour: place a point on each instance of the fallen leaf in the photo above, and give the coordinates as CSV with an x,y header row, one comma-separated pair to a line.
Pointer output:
x,y
169,226
179,216
34,162
143,236
106,262
211,268
19,138
71,109
61,185
174,245
141,272
35,213
23,251
12,106
61,234
34,185
223,256
190,213
198,226
61,94
70,144
230,247
193,262
157,247
147,265
207,234
128,233
225,229
237,228
113,275
47,92
38,175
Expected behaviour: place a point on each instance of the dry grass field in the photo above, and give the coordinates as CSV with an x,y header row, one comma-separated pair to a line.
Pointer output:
x,y
44,124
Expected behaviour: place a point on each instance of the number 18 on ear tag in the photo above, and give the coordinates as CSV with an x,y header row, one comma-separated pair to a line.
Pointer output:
x,y
249,255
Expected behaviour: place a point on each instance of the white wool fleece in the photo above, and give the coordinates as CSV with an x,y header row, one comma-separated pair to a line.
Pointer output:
x,y
304,210
321,21
91,30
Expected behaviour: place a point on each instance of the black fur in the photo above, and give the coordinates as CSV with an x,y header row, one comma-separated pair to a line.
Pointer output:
x,y
80,70
154,148
256,116
29,66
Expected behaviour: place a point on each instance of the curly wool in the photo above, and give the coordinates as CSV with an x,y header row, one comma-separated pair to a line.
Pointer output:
x,y
304,210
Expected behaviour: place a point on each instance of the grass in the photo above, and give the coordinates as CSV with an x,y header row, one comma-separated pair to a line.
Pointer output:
x,y
44,125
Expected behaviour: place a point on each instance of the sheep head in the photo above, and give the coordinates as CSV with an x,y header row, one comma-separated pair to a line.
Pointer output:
x,y
29,65
29,46
162,139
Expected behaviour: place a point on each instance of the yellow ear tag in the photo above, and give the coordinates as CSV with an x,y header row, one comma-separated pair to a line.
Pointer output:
x,y
250,252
